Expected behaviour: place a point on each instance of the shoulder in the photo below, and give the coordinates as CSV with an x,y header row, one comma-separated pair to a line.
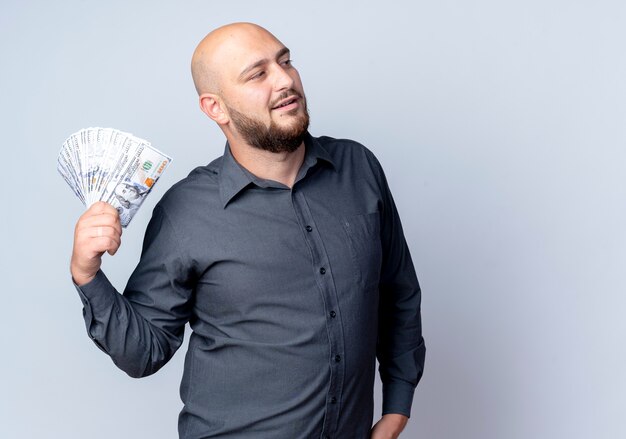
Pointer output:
x,y
333,144
200,187
347,152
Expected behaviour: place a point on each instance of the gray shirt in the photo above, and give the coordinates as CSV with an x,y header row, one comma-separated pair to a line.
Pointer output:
x,y
291,295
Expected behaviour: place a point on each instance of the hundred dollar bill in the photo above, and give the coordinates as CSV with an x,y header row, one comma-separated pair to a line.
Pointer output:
x,y
118,147
68,177
66,168
128,192
92,154
104,164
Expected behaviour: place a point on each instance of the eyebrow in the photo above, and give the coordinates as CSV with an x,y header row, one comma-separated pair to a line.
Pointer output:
x,y
260,62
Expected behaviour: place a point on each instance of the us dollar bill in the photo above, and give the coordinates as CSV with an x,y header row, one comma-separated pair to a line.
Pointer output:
x,y
128,192
105,164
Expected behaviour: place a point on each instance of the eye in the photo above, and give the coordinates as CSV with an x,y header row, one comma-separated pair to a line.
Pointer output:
x,y
286,62
258,75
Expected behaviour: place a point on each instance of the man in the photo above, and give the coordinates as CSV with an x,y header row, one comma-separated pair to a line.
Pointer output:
x,y
287,257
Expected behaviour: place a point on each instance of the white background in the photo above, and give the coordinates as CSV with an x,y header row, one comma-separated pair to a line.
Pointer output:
x,y
500,124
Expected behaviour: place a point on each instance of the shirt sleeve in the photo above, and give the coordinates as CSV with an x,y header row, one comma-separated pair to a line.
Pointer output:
x,y
142,329
400,348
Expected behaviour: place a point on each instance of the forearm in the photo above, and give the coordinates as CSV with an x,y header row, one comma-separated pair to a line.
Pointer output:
x,y
389,426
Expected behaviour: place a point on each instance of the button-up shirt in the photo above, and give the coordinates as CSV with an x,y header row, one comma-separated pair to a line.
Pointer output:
x,y
291,295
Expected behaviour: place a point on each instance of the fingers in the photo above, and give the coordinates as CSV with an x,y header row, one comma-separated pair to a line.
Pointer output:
x,y
97,235
98,230
97,224
101,207
108,242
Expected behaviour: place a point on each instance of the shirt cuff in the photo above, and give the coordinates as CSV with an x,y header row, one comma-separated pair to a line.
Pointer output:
x,y
398,398
97,294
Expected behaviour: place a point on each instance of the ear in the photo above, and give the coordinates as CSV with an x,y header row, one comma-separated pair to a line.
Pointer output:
x,y
212,106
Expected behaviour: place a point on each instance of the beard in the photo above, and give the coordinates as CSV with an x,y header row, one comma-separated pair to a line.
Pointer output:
x,y
274,138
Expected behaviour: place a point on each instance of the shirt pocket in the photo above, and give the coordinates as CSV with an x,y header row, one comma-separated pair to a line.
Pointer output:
x,y
363,237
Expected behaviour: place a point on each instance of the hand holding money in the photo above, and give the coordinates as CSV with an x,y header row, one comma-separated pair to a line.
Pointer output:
x,y
111,172
98,230
105,164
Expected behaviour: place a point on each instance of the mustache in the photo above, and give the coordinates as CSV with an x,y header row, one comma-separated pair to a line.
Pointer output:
x,y
286,94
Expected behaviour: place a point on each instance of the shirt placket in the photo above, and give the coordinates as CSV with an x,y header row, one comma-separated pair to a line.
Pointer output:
x,y
324,279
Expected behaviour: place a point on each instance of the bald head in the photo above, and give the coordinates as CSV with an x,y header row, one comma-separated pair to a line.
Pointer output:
x,y
220,49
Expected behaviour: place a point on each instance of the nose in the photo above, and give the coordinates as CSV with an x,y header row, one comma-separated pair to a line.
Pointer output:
x,y
282,79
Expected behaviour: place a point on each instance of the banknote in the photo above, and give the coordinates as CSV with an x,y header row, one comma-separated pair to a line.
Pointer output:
x,y
105,164
128,192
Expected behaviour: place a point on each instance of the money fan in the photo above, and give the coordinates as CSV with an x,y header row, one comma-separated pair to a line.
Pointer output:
x,y
105,164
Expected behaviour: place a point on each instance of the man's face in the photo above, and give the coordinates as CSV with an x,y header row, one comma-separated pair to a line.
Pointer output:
x,y
264,96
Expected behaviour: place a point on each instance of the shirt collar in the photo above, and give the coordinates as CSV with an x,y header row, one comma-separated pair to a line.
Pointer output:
x,y
234,178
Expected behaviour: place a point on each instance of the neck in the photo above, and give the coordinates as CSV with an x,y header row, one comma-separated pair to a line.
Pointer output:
x,y
282,167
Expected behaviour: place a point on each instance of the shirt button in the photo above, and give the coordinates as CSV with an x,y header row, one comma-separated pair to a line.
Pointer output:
x,y
333,400
337,358
333,314
309,228
323,270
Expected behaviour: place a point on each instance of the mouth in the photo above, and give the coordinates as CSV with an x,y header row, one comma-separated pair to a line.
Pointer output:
x,y
287,103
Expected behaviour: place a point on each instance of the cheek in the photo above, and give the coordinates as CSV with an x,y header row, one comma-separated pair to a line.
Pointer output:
x,y
253,101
